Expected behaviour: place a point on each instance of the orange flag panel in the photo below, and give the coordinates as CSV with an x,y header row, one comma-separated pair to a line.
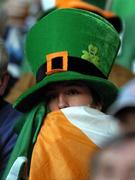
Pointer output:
x,y
62,151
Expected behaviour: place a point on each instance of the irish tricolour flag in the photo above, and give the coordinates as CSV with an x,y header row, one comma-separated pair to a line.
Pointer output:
x,y
66,142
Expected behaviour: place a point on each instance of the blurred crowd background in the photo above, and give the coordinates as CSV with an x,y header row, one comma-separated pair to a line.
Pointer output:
x,y
18,16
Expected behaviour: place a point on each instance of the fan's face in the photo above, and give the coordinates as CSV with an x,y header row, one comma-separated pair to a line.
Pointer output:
x,y
64,95
117,163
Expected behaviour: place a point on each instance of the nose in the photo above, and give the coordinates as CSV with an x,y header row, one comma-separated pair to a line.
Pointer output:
x,y
62,101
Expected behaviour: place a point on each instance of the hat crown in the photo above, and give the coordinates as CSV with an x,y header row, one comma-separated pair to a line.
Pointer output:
x,y
82,34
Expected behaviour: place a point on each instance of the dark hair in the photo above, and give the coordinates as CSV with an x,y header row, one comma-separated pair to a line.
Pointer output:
x,y
126,110
96,97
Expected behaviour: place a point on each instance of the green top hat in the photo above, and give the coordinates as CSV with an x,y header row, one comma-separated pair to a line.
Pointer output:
x,y
71,44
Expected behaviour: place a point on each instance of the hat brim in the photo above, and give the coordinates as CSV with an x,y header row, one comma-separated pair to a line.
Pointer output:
x,y
105,88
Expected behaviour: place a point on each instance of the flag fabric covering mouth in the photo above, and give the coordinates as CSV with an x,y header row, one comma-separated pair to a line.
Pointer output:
x,y
66,142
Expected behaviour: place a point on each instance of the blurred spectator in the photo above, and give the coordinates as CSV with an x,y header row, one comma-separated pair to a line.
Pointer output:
x,y
8,115
116,161
36,9
120,75
48,4
3,19
26,81
124,107
16,19
16,29
18,22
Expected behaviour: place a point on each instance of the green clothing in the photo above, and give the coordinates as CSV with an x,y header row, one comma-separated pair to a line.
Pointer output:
x,y
29,128
125,9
